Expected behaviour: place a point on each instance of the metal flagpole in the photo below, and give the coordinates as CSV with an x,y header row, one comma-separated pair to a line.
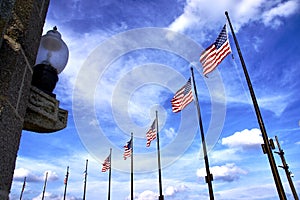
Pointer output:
x,y
131,157
66,182
286,169
266,146
161,196
109,175
45,183
23,187
209,176
85,177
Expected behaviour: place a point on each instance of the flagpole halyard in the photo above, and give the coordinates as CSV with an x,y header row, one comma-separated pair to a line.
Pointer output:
x,y
266,145
208,177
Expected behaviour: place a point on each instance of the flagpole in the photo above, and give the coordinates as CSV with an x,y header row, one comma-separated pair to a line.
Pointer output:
x,y
85,177
45,184
286,169
209,176
23,187
161,196
131,157
66,183
109,174
266,146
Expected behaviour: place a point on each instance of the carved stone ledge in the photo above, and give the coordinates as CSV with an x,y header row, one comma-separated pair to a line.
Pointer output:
x,y
43,114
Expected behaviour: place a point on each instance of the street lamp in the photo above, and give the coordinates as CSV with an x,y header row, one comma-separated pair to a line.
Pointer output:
x,y
51,60
43,114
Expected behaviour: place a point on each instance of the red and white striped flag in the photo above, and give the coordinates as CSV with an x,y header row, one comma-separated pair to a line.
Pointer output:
x,y
106,164
182,97
151,134
212,56
127,149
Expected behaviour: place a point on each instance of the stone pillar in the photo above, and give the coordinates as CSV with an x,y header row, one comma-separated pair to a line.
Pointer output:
x,y
21,24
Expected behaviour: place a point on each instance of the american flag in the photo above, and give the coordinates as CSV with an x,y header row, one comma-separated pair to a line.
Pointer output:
x,y
106,164
151,134
127,150
212,56
182,97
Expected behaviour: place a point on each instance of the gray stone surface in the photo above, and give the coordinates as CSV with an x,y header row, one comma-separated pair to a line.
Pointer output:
x,y
21,25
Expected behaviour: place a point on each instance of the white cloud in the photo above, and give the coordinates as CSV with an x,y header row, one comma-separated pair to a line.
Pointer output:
x,y
170,133
275,103
224,155
285,9
172,190
228,172
201,14
52,176
244,139
20,173
146,195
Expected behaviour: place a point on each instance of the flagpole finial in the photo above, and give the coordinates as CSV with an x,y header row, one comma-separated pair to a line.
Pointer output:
x,y
226,13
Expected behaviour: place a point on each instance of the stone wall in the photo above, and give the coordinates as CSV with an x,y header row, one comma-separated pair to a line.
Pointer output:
x,y
21,25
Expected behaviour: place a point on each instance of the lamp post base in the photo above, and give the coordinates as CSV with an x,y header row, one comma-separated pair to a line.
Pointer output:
x,y
43,114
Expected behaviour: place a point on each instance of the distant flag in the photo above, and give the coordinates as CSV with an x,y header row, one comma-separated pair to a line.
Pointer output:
x,y
106,164
182,97
151,134
212,56
127,149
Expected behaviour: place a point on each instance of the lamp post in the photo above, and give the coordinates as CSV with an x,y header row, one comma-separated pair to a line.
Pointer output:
x,y
51,60
43,114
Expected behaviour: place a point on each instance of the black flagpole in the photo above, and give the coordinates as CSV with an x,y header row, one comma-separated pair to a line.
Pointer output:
x,y
161,196
45,184
209,176
85,177
131,157
109,175
266,146
286,169
23,187
66,183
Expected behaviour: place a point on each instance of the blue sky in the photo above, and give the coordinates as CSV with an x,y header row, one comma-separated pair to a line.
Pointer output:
x,y
127,59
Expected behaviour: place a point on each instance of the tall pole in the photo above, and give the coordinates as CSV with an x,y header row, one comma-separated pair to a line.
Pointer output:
x,y
109,175
131,174
23,187
161,196
85,177
266,146
45,184
209,176
66,182
286,169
